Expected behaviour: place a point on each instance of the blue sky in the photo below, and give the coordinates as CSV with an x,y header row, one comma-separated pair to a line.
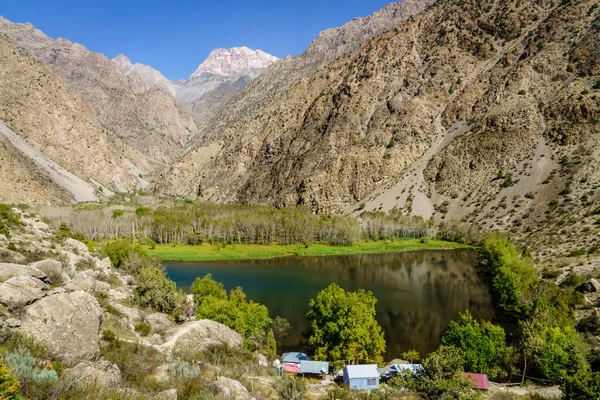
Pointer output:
x,y
175,36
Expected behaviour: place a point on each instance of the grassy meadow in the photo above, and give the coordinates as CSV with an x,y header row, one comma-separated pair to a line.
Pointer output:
x,y
208,252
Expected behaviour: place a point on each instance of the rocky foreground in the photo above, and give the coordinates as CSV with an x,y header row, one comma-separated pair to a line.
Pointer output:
x,y
69,298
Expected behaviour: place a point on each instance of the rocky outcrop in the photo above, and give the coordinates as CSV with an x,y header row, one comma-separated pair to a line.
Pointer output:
x,y
590,286
8,271
21,291
158,322
198,336
68,324
232,389
102,373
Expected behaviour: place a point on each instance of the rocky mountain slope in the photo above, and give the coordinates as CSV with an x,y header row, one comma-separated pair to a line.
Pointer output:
x,y
485,112
147,73
51,139
141,114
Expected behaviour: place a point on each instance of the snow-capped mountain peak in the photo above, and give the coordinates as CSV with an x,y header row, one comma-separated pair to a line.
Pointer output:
x,y
236,61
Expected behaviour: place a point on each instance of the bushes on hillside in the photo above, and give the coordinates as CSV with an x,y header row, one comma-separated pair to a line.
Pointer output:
x,y
9,386
154,290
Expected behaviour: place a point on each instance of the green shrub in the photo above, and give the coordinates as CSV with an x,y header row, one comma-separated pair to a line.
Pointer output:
x,y
9,386
572,280
290,388
154,290
26,368
112,310
522,92
117,213
583,385
143,328
4,229
183,369
109,336
8,215
118,251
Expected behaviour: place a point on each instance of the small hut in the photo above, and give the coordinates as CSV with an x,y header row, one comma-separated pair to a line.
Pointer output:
x,y
361,377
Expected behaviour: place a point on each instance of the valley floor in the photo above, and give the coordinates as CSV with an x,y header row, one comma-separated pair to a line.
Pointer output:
x,y
208,252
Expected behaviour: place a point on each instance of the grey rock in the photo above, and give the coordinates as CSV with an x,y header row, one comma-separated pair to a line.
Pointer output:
x,y
104,265
68,324
198,336
158,322
590,286
73,244
12,256
103,373
53,269
232,388
13,322
86,281
170,394
22,290
132,314
8,271
157,339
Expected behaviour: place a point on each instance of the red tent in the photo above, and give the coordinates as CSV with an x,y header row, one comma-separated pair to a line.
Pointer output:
x,y
291,367
480,380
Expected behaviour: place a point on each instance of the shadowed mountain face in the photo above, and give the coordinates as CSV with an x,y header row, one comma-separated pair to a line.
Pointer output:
x,y
146,117
483,111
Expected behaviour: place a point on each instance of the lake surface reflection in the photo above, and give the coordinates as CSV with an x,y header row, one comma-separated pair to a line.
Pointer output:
x,y
418,293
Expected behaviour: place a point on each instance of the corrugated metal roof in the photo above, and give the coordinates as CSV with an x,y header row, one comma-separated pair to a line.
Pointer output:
x,y
362,371
294,357
480,380
314,367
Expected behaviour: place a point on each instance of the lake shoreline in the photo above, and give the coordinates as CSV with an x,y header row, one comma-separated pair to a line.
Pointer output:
x,y
237,252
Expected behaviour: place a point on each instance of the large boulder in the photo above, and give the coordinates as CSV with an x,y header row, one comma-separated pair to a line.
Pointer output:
x,y
11,256
232,389
590,286
199,336
68,324
158,322
76,245
86,280
102,373
22,290
8,271
54,270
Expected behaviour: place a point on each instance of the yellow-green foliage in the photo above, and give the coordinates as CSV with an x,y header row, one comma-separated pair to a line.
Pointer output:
x,y
9,386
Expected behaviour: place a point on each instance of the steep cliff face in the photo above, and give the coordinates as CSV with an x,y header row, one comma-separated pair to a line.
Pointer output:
x,y
480,111
45,127
145,116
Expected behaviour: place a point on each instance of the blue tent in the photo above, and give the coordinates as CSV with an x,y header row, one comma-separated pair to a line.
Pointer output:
x,y
294,357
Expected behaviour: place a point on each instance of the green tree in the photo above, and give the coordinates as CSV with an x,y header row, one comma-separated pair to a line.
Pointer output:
x,y
119,250
280,328
411,356
9,386
443,377
154,290
483,345
117,213
207,286
342,326
556,351
583,385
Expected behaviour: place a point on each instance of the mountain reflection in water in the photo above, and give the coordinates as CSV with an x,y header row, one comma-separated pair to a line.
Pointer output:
x,y
418,293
